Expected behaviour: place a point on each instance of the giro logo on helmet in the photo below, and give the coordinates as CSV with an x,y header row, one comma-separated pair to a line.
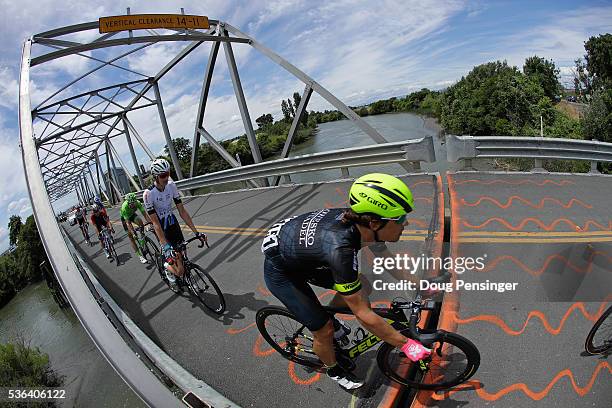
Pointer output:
x,y
373,201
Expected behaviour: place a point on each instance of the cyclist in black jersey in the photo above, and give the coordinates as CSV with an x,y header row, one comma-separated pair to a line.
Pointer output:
x,y
321,247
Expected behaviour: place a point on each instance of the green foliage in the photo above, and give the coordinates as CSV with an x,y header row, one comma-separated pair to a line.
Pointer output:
x,y
26,367
493,99
599,60
22,266
545,73
14,227
182,148
583,81
264,120
597,121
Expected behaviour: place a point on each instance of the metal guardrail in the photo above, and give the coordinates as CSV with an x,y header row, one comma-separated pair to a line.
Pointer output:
x,y
416,150
539,148
125,362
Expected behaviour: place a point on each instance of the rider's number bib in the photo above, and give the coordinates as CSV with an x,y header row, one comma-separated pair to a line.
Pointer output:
x,y
271,239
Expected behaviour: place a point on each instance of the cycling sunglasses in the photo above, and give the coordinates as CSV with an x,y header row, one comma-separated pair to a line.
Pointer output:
x,y
163,175
400,220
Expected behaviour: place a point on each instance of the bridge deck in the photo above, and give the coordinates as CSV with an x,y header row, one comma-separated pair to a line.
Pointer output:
x,y
227,351
552,234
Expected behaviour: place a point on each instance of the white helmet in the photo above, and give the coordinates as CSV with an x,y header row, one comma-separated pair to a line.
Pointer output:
x,y
159,166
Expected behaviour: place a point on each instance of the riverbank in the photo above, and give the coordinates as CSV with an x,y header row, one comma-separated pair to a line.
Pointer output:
x,y
89,380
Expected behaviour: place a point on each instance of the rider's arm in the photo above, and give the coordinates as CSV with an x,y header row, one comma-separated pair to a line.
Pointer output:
x,y
186,217
373,322
143,212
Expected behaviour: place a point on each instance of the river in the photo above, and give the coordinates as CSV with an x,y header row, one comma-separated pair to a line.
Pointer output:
x,y
90,381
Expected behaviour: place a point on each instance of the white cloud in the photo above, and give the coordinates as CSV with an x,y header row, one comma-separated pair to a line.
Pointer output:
x,y
9,88
4,242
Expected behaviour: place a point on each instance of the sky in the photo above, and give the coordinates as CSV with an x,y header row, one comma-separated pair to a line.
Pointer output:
x,y
360,51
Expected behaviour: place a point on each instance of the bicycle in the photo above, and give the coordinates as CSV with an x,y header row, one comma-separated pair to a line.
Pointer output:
x,y
599,339
196,279
108,243
453,360
146,245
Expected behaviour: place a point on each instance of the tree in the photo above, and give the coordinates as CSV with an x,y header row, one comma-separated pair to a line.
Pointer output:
x,y
14,227
182,148
599,60
545,73
286,111
493,99
290,106
583,81
597,121
297,98
264,120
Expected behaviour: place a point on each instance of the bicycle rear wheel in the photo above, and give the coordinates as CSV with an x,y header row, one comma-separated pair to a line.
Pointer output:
x,y
454,359
599,339
289,337
205,288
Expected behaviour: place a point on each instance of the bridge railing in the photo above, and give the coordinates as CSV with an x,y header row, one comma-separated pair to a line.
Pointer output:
x,y
538,148
415,150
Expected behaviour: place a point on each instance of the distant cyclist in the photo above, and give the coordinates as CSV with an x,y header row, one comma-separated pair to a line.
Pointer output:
x,y
129,216
99,219
321,247
158,200
98,202
80,215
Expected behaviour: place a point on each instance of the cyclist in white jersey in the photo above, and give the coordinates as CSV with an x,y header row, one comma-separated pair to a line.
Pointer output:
x,y
158,200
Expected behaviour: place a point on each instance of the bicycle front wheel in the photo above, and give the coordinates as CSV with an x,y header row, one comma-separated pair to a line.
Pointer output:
x,y
454,359
279,327
150,251
599,340
205,288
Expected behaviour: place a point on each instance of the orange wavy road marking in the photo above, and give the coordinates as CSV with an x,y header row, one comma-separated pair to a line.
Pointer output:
x,y
262,290
428,182
525,201
517,183
426,199
257,348
236,331
534,395
496,320
298,380
539,223
537,272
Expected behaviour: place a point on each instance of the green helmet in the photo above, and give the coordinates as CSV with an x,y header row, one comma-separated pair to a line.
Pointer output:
x,y
130,198
382,195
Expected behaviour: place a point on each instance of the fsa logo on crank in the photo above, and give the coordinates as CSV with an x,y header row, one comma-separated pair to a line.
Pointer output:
x,y
366,344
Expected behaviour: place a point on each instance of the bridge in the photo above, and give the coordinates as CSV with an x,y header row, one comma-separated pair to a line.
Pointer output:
x,y
549,234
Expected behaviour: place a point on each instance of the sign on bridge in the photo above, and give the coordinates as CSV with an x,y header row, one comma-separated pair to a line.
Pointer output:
x,y
143,21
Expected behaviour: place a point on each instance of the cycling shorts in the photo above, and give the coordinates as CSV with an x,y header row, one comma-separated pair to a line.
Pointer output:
x,y
130,219
174,235
294,291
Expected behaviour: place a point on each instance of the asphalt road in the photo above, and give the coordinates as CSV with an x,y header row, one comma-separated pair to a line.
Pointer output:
x,y
226,351
552,235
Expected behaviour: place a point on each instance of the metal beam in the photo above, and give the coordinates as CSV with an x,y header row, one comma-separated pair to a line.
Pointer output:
x,y
348,112
162,117
244,111
139,138
132,153
124,167
128,41
210,66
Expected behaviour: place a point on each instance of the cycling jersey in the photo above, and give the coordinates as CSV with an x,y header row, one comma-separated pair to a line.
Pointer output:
x,y
160,203
129,214
318,246
80,214
99,220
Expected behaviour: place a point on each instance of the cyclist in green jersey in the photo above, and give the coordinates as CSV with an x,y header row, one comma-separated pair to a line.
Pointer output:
x,y
129,216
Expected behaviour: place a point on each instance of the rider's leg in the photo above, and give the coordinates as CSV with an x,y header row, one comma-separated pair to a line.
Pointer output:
x,y
127,227
323,345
